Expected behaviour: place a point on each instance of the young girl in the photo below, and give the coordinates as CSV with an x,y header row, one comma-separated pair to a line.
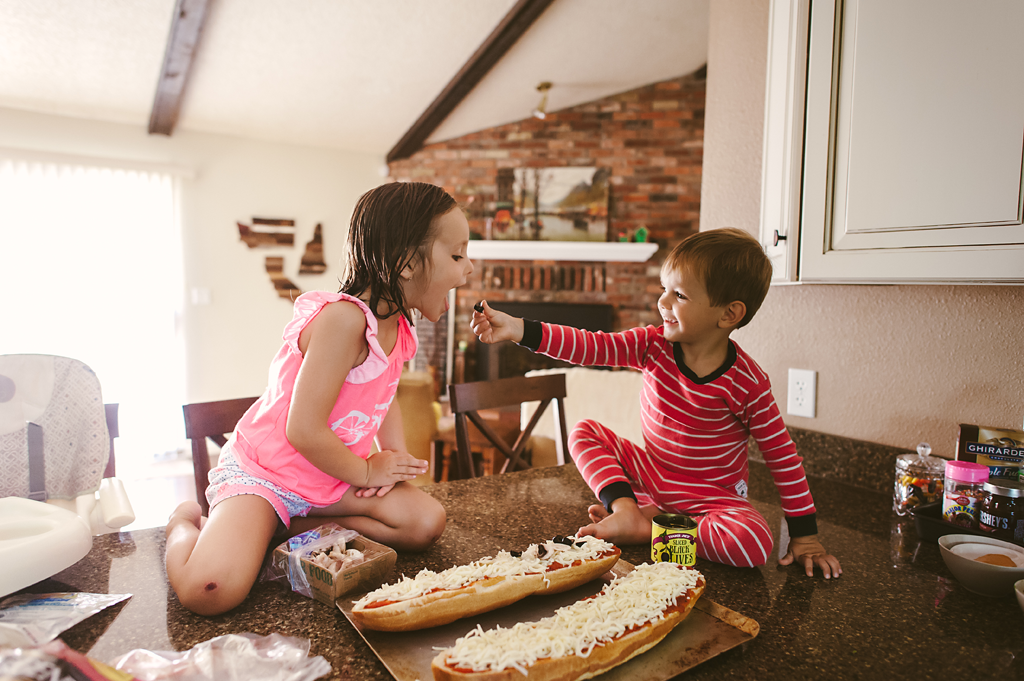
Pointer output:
x,y
303,448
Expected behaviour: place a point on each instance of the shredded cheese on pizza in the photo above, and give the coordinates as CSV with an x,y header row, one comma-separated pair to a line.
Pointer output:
x,y
502,565
627,602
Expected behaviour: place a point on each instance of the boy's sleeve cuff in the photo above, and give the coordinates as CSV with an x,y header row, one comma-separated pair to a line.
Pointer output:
x,y
616,490
802,525
533,333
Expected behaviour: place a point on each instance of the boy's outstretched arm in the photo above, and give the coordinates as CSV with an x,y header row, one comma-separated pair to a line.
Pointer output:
x,y
493,326
808,551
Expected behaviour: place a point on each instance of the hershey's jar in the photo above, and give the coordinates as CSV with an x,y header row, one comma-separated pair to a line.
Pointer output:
x,y
1001,512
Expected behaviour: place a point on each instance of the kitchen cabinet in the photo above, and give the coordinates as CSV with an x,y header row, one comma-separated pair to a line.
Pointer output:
x,y
894,141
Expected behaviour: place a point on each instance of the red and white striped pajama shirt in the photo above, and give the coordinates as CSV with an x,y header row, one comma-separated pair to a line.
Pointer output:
x,y
694,458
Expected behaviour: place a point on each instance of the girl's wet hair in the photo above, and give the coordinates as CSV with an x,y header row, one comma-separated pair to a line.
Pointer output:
x,y
391,229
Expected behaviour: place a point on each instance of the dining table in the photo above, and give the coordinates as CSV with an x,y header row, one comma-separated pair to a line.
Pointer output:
x,y
896,610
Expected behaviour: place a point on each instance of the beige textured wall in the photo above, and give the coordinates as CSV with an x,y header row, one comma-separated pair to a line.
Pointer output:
x,y
730,194
896,364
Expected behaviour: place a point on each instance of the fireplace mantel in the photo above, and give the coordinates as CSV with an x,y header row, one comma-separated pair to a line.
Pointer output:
x,y
562,250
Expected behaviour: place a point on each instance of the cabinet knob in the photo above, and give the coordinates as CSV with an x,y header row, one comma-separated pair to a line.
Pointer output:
x,y
777,238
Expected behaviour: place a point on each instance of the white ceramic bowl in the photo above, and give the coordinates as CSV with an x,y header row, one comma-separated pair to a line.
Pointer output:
x,y
1018,588
960,550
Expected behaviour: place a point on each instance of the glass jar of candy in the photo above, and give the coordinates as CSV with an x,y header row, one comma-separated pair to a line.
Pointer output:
x,y
919,479
963,493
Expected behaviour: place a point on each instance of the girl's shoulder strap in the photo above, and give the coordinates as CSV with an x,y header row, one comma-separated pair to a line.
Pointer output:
x,y
308,305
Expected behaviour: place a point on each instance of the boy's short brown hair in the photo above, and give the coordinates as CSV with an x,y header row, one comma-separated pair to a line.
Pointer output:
x,y
730,263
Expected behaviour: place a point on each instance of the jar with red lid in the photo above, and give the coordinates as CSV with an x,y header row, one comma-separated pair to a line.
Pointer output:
x,y
963,493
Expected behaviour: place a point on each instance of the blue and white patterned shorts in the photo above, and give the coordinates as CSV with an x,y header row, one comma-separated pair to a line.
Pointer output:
x,y
229,479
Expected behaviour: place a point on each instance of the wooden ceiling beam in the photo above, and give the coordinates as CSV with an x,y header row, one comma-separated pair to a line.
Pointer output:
x,y
186,28
502,38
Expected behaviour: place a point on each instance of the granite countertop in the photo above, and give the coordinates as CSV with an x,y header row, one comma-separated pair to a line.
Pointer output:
x,y
896,610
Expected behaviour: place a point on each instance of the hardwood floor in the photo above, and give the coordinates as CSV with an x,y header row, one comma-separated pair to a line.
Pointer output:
x,y
156,488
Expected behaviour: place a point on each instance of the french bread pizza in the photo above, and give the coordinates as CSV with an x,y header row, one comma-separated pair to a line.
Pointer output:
x,y
628,617
431,599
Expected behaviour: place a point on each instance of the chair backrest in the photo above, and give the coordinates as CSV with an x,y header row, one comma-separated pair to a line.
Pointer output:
x,y
110,412
469,398
212,420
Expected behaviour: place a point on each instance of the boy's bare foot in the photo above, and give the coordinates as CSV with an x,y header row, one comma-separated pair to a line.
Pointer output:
x,y
188,513
597,513
625,526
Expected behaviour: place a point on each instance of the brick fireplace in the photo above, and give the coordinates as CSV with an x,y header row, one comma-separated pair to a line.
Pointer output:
x,y
650,138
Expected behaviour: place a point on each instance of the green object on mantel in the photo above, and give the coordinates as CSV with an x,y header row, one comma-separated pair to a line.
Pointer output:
x,y
640,235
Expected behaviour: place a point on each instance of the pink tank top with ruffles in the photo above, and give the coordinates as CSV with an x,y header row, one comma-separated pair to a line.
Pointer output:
x,y
259,439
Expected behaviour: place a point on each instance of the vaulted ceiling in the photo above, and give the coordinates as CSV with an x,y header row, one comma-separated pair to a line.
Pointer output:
x,y
346,74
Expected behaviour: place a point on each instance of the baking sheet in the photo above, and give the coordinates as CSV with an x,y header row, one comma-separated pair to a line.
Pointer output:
x,y
709,629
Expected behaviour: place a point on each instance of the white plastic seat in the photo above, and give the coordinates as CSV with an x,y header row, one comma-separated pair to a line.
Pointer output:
x,y
55,445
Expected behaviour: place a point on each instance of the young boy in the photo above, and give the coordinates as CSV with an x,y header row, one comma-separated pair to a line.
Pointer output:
x,y
702,398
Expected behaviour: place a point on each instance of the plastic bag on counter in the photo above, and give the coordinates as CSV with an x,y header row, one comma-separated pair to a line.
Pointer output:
x,y
233,657
54,662
35,619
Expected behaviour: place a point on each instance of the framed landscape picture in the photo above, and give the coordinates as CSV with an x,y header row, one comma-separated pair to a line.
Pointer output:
x,y
552,204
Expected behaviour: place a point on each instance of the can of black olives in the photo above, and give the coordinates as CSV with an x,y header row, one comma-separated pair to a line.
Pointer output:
x,y
674,539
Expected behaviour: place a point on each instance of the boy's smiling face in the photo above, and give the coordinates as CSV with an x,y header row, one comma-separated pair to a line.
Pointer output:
x,y
686,308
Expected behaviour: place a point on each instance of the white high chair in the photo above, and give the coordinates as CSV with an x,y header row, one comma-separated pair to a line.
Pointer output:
x,y
55,448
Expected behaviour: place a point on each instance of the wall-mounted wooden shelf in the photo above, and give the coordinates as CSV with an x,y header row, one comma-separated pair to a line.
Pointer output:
x,y
562,250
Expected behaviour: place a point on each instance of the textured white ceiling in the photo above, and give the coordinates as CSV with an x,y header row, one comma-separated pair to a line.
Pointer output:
x,y
344,74
85,58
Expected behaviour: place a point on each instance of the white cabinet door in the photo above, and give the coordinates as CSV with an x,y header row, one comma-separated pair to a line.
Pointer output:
x,y
913,140
782,157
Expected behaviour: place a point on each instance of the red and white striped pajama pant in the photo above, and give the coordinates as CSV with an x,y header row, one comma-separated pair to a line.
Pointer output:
x,y
730,531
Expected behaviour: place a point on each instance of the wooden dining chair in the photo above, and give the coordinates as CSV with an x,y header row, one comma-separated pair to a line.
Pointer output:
x,y
214,420
467,399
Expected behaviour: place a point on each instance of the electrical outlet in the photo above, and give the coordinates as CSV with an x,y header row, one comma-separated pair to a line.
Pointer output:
x,y
800,397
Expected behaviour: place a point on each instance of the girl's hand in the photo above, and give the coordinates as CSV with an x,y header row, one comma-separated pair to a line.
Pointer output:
x,y
363,492
492,326
808,552
385,468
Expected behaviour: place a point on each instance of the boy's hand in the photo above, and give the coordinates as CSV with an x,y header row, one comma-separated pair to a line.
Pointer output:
x,y
492,326
808,551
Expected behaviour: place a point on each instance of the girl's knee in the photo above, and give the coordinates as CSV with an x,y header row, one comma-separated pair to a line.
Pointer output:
x,y
210,594
426,527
